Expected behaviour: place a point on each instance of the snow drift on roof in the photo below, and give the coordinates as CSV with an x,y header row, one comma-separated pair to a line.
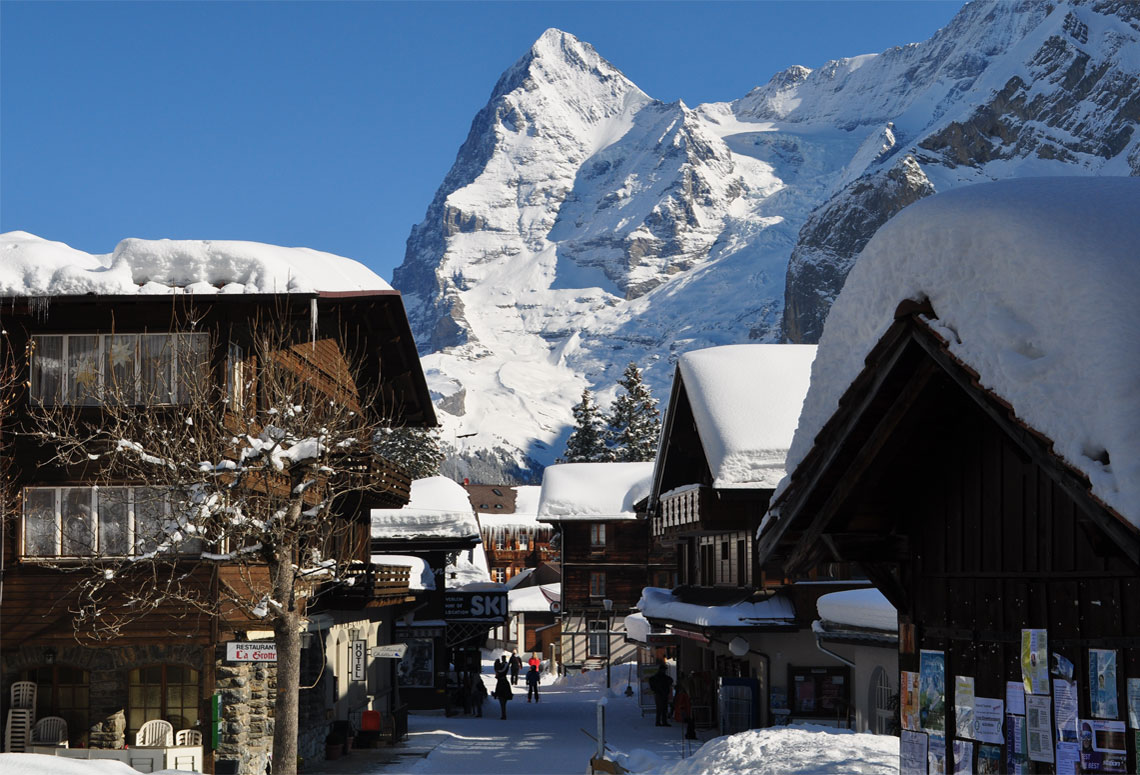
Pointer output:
x,y
438,508
746,399
858,608
420,576
593,490
470,572
534,599
32,266
1034,282
657,603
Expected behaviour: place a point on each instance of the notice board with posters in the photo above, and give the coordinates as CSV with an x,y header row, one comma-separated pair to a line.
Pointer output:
x,y
820,692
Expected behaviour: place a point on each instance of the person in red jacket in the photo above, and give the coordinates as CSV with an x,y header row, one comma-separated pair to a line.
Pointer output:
x,y
534,661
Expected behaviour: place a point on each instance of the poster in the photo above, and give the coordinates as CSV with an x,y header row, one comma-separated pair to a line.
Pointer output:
x,y
1133,691
1102,746
912,752
417,668
989,760
1016,746
1068,759
936,755
1065,710
1039,728
932,693
1015,698
988,715
964,706
1035,664
909,704
963,757
1102,683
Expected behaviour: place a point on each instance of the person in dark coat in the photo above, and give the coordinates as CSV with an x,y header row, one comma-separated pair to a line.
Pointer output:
x,y
503,694
501,666
515,665
532,683
661,684
478,695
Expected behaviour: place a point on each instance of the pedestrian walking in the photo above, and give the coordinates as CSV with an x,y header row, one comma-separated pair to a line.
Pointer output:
x,y
661,684
503,694
532,683
478,695
534,660
516,665
501,666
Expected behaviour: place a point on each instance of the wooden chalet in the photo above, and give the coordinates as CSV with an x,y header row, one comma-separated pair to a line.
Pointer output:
x,y
1006,564
513,538
742,632
603,534
173,663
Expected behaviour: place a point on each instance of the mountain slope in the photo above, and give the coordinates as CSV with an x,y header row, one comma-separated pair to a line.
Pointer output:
x,y
585,225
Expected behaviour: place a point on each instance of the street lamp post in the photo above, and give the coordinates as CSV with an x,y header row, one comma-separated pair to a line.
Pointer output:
x,y
609,606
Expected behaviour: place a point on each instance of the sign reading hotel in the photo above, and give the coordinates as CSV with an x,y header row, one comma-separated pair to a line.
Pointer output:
x,y
251,652
475,606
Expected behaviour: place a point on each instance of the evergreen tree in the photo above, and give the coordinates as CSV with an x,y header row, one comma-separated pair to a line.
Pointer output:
x,y
587,441
416,450
634,424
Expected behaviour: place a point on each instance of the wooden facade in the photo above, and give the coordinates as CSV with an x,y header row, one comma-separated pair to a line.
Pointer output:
x,y
968,522
39,593
512,541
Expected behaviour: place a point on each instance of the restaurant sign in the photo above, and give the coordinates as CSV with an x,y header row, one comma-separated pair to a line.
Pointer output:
x,y
251,652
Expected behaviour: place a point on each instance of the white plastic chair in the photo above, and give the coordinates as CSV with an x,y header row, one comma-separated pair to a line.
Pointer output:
x,y
24,695
18,730
50,730
188,737
155,732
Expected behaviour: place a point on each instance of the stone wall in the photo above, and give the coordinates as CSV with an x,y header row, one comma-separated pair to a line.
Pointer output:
x,y
246,734
313,722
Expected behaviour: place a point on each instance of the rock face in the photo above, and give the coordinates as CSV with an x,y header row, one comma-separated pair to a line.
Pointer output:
x,y
585,225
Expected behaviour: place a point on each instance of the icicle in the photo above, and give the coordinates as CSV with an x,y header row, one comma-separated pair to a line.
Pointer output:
x,y
313,322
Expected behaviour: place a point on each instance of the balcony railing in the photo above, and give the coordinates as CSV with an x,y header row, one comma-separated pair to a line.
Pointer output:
x,y
365,583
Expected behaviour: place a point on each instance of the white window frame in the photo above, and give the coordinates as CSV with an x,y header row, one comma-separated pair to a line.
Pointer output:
x,y
180,345
597,638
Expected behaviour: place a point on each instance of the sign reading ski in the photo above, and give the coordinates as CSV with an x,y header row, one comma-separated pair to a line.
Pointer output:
x,y
475,606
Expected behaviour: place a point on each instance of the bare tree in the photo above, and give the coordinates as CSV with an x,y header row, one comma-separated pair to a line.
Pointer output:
x,y
240,468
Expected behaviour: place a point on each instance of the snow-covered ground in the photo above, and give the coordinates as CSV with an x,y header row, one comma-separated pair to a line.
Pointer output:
x,y
550,737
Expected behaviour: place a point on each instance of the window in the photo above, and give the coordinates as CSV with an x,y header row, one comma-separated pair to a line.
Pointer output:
x,y
63,691
235,377
499,575
167,692
524,541
598,535
883,703
724,550
742,568
107,521
597,584
500,538
598,639
144,369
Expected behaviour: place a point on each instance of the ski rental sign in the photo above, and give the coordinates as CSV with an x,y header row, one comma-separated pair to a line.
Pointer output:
x,y
475,606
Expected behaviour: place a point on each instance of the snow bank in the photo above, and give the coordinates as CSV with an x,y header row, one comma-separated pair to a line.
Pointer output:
x,y
32,266
794,750
438,508
859,608
593,490
657,603
1035,283
746,400
42,764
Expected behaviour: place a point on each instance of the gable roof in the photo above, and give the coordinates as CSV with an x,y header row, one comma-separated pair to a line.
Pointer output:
x,y
1033,286
593,491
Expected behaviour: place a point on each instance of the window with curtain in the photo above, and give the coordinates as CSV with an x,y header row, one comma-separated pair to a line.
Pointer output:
x,y
169,692
597,535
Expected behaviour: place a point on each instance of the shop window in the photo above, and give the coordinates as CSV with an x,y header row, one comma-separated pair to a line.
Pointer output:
x,y
169,692
63,691
820,691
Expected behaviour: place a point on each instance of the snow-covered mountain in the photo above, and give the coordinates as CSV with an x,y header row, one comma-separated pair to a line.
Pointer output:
x,y
585,225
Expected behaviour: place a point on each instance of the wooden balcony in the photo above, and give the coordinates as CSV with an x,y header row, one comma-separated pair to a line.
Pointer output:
x,y
366,585
694,510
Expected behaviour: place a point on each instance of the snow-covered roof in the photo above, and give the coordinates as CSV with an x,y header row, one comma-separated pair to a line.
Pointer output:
x,y
438,508
859,608
1035,284
593,490
420,576
637,627
658,603
32,266
746,400
534,599
470,571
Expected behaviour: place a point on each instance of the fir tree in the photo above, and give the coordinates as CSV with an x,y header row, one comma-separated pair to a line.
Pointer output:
x,y
634,423
587,441
416,450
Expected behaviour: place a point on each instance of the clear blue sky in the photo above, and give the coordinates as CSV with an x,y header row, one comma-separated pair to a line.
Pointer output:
x,y
330,125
